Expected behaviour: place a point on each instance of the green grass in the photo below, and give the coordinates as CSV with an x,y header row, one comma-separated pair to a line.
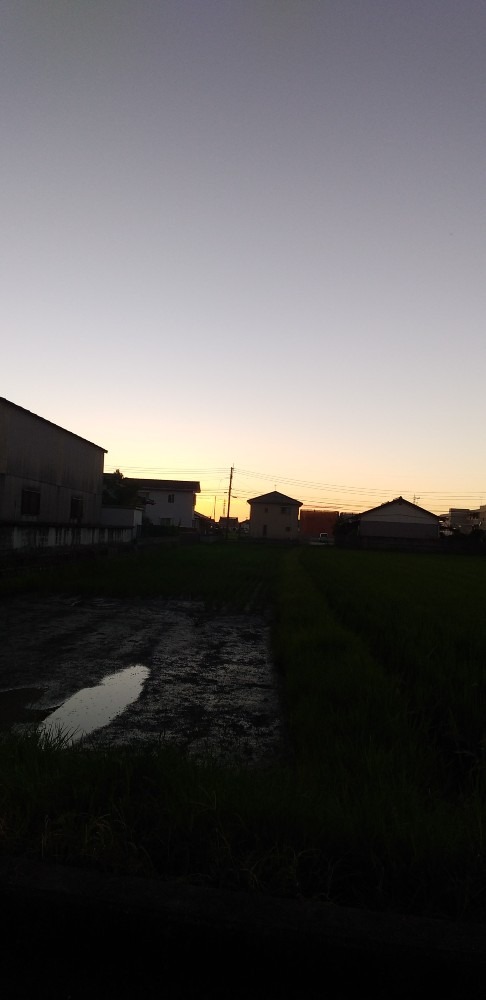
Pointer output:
x,y
222,575
381,799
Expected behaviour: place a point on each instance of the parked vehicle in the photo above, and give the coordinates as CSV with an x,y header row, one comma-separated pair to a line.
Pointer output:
x,y
323,539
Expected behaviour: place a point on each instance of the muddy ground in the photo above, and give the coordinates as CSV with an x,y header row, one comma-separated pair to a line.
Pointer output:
x,y
210,688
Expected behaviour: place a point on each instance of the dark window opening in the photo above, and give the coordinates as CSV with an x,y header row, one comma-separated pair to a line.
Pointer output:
x,y
30,503
76,508
285,510
171,498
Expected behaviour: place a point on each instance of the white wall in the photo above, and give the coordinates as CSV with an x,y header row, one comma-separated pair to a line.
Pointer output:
x,y
179,513
130,517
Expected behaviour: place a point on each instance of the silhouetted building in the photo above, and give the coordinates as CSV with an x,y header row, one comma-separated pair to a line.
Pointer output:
x,y
50,478
396,522
313,522
204,524
274,515
228,524
464,520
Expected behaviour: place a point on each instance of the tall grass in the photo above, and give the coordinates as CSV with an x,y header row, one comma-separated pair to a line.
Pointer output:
x,y
423,618
238,576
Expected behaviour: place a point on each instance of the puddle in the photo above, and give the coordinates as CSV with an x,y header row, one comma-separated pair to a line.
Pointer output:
x,y
94,707
140,671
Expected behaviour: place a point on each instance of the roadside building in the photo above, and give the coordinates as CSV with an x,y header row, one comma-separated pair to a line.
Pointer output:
x,y
227,524
314,522
274,515
123,517
463,520
398,523
167,502
204,524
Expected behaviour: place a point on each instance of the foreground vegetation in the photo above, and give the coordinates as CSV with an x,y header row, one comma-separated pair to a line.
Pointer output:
x,y
380,800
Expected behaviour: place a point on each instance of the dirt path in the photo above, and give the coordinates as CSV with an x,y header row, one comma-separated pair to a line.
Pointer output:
x,y
211,686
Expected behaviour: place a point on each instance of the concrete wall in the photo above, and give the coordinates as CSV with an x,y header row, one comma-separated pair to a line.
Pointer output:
x,y
36,536
39,456
274,521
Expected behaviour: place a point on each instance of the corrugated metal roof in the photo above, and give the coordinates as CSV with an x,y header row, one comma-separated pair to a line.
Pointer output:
x,y
50,422
175,485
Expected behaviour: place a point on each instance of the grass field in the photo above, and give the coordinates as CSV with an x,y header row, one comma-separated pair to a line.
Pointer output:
x,y
380,801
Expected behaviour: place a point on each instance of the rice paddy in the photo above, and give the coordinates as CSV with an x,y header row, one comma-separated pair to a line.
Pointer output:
x,y
378,800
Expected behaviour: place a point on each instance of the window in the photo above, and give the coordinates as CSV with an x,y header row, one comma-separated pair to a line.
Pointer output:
x,y
30,503
171,497
285,510
76,508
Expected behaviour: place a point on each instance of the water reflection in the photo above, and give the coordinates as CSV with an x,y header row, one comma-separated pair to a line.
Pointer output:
x,y
94,707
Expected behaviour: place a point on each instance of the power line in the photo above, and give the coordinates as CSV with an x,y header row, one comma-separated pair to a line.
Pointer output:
x,y
324,496
362,490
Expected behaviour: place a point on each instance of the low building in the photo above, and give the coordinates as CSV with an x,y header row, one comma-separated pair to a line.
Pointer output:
x,y
226,524
274,515
123,517
398,522
51,481
314,522
168,502
204,524
463,520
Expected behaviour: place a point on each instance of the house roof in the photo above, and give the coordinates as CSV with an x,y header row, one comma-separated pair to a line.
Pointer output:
x,y
58,427
167,485
402,503
276,498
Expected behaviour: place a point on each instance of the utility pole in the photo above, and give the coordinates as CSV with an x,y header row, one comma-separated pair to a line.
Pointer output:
x,y
229,501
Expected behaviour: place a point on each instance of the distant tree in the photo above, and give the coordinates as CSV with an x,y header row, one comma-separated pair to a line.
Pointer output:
x,y
118,491
346,528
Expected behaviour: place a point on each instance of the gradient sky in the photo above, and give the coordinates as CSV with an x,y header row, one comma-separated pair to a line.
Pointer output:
x,y
251,232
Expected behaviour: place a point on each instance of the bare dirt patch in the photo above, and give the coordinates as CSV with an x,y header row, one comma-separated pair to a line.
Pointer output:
x,y
211,687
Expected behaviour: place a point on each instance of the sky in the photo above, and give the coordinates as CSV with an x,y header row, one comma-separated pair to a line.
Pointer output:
x,y
251,233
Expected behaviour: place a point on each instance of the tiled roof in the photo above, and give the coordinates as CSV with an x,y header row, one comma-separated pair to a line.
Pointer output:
x,y
167,485
401,502
276,498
